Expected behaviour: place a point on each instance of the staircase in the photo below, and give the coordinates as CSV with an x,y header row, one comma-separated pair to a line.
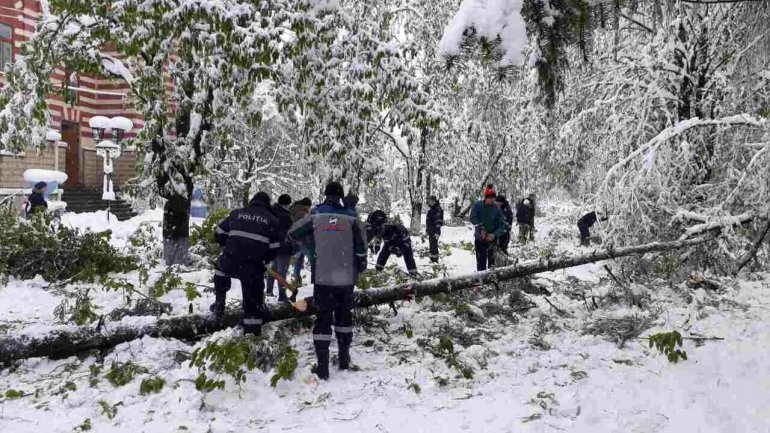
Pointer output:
x,y
90,200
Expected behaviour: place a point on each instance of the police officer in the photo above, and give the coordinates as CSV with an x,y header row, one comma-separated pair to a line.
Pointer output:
x,y
434,220
250,240
337,240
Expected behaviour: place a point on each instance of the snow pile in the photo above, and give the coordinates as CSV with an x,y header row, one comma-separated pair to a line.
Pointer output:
x,y
121,230
40,175
490,19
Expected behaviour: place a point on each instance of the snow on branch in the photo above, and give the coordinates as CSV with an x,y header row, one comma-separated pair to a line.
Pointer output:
x,y
116,67
489,19
678,129
719,222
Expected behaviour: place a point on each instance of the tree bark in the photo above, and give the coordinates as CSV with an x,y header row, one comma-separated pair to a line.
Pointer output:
x,y
65,341
762,234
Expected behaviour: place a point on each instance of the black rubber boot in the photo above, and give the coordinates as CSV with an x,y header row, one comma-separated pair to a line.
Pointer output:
x,y
218,307
322,369
344,356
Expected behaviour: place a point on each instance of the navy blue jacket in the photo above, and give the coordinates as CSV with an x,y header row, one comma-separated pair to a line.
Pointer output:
x,y
587,220
36,202
434,220
396,237
525,213
507,212
250,238
284,224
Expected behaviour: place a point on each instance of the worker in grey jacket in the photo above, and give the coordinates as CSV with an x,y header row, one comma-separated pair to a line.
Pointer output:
x,y
337,241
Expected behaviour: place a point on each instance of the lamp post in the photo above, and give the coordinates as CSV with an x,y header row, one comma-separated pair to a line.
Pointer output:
x,y
108,149
54,137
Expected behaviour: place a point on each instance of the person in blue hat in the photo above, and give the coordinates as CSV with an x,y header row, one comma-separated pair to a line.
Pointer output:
x,y
36,200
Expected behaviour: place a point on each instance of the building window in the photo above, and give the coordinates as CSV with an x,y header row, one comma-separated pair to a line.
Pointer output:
x,y
6,45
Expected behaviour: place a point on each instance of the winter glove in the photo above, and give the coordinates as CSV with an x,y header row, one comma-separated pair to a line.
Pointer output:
x,y
490,237
397,251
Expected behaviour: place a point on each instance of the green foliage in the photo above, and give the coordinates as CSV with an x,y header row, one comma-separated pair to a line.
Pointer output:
x,y
666,343
109,410
666,266
414,386
445,349
202,236
287,364
80,312
371,279
170,280
232,356
94,371
151,385
467,246
122,373
13,394
85,426
33,247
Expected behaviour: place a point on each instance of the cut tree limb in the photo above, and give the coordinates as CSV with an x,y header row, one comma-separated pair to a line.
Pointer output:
x,y
68,341
762,234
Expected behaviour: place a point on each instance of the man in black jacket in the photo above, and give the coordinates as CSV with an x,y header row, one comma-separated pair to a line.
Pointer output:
x,y
504,206
250,240
286,250
434,220
584,224
396,240
375,222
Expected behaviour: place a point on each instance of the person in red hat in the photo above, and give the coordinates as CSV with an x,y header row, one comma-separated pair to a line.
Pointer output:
x,y
490,224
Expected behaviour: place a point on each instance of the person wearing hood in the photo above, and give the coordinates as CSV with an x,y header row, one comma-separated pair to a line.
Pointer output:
x,y
489,224
337,241
434,220
298,210
525,217
283,256
250,239
505,207
36,200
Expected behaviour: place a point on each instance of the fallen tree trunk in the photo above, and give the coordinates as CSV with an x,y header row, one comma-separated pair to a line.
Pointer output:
x,y
68,341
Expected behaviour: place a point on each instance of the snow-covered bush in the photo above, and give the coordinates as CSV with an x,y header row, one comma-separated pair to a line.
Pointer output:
x,y
33,247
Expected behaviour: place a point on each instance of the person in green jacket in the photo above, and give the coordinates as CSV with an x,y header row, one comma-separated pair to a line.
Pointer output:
x,y
490,224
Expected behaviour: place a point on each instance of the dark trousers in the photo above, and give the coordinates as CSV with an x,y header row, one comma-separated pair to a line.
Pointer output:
x,y
433,244
585,234
253,289
485,255
504,240
335,307
382,259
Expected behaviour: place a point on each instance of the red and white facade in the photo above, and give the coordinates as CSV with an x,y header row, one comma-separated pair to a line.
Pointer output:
x,y
94,96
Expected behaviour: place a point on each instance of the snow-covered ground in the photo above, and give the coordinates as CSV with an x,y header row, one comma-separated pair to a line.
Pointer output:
x,y
533,371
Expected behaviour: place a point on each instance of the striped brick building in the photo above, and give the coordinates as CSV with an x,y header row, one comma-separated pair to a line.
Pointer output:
x,y
92,96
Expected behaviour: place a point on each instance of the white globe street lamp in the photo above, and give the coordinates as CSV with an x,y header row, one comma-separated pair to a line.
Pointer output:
x,y
108,149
